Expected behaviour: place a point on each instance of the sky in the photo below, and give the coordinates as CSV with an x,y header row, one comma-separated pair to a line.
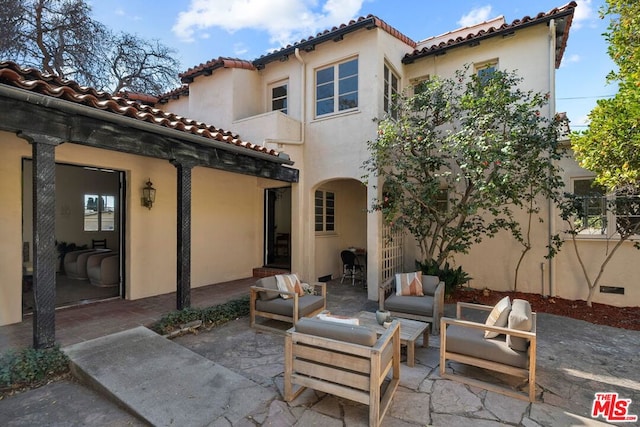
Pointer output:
x,y
201,30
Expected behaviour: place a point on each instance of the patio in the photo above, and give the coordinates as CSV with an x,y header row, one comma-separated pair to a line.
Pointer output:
x,y
575,360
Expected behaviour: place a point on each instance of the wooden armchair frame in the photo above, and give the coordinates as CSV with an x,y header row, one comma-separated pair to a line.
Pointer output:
x,y
529,373
344,369
253,312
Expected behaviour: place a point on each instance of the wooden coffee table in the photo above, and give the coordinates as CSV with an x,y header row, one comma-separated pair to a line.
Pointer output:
x,y
410,330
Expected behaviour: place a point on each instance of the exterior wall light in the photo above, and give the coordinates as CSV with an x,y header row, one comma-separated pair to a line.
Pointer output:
x,y
148,195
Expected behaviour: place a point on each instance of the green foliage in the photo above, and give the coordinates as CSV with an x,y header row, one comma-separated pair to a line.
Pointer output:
x,y
30,367
452,277
461,157
211,316
610,147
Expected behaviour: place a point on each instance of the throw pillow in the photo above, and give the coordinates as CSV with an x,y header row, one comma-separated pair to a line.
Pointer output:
x,y
289,283
339,319
409,284
498,316
429,284
520,318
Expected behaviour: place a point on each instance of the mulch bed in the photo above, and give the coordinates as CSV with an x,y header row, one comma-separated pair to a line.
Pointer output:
x,y
601,314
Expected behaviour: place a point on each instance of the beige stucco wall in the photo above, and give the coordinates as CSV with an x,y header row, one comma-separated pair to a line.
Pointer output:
x,y
12,149
227,211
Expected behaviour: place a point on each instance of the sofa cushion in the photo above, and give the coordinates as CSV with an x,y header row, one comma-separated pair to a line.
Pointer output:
x,y
429,284
409,284
289,283
471,342
360,335
306,305
269,283
520,318
421,306
498,316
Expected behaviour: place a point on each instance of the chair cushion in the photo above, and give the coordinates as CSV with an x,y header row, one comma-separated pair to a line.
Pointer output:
x,y
269,283
409,284
498,316
471,342
360,335
306,305
289,283
429,284
520,318
421,306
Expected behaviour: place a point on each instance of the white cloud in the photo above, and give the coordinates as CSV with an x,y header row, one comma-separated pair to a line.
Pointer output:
x,y
584,13
120,12
476,16
285,21
571,59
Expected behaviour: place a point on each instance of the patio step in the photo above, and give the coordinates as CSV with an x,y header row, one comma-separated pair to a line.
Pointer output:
x,y
164,383
269,271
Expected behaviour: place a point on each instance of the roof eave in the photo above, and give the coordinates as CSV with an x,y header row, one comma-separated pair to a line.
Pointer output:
x,y
369,23
411,58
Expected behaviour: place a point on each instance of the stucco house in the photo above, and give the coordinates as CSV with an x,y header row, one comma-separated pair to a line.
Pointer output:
x,y
276,183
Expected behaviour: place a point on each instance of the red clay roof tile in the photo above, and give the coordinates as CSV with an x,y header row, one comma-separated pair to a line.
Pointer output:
x,y
50,85
566,10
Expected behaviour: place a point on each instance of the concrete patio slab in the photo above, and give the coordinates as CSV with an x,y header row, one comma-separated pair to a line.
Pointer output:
x,y
164,383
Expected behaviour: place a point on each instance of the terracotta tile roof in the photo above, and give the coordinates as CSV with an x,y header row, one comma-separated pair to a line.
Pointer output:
x,y
334,34
33,80
139,96
174,94
470,36
208,67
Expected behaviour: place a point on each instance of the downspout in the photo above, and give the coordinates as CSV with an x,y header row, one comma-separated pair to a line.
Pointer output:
x,y
552,112
303,105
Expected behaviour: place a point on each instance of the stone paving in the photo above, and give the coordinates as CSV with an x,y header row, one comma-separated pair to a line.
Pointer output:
x,y
575,360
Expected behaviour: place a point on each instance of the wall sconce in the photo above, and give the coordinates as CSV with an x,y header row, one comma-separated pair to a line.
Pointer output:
x,y
148,195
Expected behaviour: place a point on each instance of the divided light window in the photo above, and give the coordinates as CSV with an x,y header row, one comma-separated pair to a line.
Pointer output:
x,y
486,69
325,205
99,212
391,82
279,93
337,88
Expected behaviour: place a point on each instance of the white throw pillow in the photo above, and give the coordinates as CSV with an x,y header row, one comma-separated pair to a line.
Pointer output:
x,y
499,316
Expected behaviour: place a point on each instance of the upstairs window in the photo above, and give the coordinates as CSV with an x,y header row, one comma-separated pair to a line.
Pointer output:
x,y
325,211
279,93
337,88
486,69
391,82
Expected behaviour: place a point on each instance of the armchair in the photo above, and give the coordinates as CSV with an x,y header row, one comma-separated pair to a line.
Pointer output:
x,y
512,352
344,360
265,300
426,308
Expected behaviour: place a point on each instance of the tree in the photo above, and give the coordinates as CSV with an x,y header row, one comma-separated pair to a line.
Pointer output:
x,y
61,37
610,147
461,158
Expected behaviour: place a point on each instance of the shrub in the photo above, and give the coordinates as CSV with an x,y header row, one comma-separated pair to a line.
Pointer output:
x,y
31,367
210,316
452,277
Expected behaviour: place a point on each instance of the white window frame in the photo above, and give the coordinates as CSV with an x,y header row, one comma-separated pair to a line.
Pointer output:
x,y
608,217
325,212
336,92
390,90
273,86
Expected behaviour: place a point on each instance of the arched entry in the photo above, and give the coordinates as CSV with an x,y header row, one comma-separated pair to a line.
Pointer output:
x,y
339,217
